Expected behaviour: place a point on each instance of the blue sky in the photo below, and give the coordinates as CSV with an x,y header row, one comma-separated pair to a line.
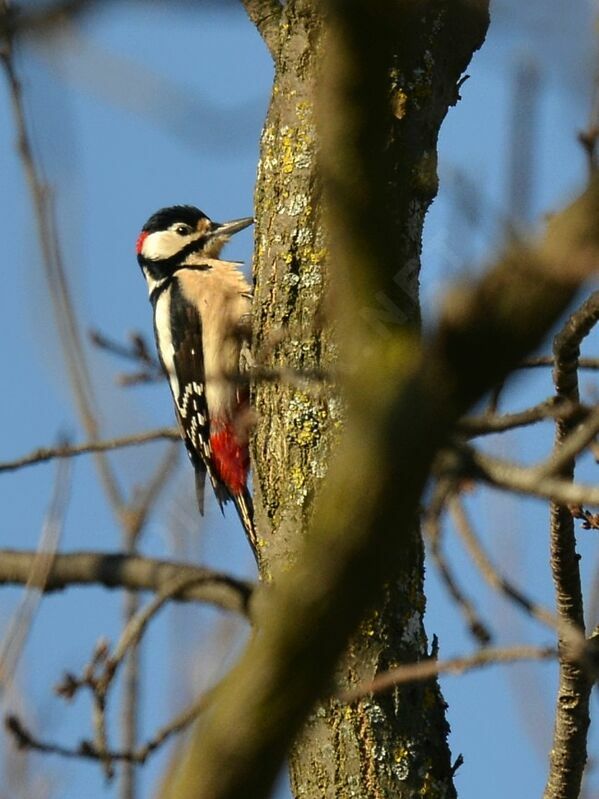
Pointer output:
x,y
181,124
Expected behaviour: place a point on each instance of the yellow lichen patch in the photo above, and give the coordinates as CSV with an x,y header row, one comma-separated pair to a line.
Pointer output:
x,y
431,788
287,158
399,102
297,477
305,419
318,256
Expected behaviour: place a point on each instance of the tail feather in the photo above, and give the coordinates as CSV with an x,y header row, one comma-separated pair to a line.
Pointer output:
x,y
200,482
245,509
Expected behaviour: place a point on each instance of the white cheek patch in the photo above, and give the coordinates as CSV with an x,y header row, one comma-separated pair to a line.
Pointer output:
x,y
165,341
161,244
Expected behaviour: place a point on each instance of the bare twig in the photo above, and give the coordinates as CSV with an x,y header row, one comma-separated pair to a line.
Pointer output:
x,y
572,443
25,740
43,454
569,750
426,669
136,515
513,477
98,676
131,572
178,723
432,528
87,750
137,351
41,566
590,521
488,423
498,581
137,624
549,360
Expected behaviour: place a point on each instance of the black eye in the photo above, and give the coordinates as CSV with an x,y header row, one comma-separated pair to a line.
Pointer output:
x,y
183,230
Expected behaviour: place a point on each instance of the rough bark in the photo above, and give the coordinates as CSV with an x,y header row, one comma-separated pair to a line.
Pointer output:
x,y
386,746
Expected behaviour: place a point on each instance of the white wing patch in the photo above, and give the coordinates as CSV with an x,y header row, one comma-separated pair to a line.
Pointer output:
x,y
162,320
190,394
190,407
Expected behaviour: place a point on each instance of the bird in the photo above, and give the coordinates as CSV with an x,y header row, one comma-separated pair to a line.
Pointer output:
x,y
201,314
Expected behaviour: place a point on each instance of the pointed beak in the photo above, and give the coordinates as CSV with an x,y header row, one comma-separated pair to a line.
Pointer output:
x,y
228,228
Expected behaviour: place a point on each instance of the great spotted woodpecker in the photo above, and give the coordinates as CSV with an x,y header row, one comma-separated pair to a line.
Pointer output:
x,y
201,323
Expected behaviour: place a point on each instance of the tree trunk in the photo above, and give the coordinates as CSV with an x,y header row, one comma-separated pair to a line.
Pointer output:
x,y
395,745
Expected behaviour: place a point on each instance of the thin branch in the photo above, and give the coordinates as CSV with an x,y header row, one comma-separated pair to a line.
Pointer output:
x,y
137,625
487,423
131,572
41,566
497,581
432,527
25,740
266,16
86,749
590,521
43,454
137,350
510,476
571,443
569,747
98,676
426,669
177,724
549,360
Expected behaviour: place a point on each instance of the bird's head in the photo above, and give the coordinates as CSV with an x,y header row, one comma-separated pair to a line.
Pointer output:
x,y
172,234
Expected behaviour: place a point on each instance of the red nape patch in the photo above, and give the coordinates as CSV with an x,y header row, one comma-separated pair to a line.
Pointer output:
x,y
140,241
231,458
